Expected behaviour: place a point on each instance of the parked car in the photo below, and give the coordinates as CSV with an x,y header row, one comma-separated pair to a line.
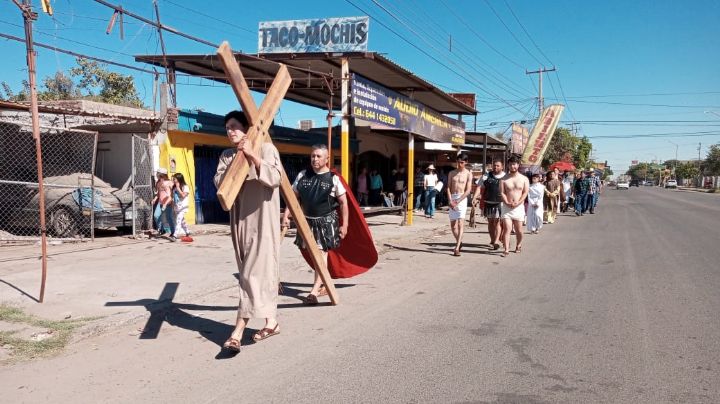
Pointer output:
x,y
671,184
634,183
649,183
68,205
623,184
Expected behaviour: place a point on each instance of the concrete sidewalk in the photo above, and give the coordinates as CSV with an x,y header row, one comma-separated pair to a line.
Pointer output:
x,y
119,279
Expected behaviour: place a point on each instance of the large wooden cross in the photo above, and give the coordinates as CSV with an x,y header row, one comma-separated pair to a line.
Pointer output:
x,y
259,122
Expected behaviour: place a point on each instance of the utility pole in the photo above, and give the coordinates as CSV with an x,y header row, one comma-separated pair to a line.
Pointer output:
x,y
539,72
29,16
699,180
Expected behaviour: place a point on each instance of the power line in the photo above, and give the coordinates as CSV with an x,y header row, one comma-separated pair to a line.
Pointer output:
x,y
512,33
562,91
56,49
528,35
645,121
480,37
211,17
647,105
645,95
69,40
424,52
495,72
468,58
644,135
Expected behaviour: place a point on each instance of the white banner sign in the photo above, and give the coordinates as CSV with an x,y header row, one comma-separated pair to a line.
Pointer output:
x,y
345,34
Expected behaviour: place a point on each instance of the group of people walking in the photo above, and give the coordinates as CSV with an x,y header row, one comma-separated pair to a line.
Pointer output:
x,y
509,200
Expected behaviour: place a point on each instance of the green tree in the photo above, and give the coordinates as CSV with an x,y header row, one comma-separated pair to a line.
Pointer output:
x,y
712,161
563,142
642,171
686,170
58,87
608,173
88,80
106,86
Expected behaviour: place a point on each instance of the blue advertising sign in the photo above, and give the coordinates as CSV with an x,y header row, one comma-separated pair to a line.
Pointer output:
x,y
374,103
345,34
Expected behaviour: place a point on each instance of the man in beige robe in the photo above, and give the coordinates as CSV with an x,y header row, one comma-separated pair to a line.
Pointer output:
x,y
255,231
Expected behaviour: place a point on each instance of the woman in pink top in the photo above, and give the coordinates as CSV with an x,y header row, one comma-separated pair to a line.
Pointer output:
x,y
164,218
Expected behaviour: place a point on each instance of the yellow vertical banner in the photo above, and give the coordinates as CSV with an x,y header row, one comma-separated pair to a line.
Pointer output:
x,y
540,137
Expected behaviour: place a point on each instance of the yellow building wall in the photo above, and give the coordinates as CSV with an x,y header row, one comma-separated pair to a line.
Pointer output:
x,y
179,146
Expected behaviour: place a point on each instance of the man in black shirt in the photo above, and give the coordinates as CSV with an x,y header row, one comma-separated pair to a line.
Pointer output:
x,y
490,201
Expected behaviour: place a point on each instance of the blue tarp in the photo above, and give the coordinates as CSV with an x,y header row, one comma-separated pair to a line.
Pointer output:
x,y
83,197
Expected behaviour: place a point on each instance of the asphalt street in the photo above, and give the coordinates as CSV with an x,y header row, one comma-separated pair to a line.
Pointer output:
x,y
616,307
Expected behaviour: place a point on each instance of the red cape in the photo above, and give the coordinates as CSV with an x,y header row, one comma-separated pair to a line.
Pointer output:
x,y
357,252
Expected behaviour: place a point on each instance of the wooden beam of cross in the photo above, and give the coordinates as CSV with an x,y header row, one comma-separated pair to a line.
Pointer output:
x,y
157,317
259,121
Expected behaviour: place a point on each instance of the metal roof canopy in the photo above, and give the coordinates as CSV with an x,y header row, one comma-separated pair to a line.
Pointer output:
x,y
312,89
478,138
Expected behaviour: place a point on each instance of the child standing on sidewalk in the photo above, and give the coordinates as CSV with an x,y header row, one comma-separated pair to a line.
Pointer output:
x,y
181,193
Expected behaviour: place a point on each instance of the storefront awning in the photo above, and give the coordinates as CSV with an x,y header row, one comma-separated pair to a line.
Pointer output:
x,y
312,89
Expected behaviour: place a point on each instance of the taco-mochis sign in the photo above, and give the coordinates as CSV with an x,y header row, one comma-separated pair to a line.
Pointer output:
x,y
346,34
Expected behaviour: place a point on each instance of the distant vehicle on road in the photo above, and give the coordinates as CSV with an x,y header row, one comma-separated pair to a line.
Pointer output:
x,y
623,184
634,183
671,184
649,183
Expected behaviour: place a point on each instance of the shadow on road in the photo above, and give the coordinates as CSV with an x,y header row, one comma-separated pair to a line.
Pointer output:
x,y
21,291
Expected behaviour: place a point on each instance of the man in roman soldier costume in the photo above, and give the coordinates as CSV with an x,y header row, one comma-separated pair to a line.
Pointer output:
x,y
320,193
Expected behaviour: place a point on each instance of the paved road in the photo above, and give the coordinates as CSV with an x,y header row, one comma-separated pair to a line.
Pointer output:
x,y
621,306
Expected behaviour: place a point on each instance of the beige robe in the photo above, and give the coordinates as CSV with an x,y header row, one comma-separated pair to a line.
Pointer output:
x,y
255,230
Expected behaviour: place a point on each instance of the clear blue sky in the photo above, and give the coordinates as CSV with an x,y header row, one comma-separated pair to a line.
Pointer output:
x,y
645,61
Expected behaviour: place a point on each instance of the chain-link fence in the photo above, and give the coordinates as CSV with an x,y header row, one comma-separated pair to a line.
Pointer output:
x,y
142,185
75,200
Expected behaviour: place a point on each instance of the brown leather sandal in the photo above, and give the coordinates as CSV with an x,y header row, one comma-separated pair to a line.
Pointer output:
x,y
266,333
232,344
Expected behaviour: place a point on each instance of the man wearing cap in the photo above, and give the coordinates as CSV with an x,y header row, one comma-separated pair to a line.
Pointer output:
x,y
430,180
163,213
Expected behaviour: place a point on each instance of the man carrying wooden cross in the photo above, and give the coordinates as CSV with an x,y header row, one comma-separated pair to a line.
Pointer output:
x,y
255,230
320,192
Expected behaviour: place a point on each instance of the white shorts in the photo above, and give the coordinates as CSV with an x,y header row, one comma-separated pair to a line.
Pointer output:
x,y
460,210
517,213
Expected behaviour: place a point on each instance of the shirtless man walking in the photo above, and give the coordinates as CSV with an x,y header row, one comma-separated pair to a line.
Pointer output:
x,y
458,191
514,189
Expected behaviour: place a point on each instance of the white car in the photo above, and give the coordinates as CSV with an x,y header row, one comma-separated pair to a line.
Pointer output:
x,y
622,184
671,184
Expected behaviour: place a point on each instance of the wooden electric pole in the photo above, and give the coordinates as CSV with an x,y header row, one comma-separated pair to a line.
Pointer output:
x,y
540,72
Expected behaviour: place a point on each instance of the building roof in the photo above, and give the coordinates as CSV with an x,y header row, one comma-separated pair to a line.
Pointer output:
x,y
478,139
309,86
85,108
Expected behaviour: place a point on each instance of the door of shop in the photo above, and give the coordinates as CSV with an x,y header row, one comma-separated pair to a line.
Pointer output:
x,y
207,206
